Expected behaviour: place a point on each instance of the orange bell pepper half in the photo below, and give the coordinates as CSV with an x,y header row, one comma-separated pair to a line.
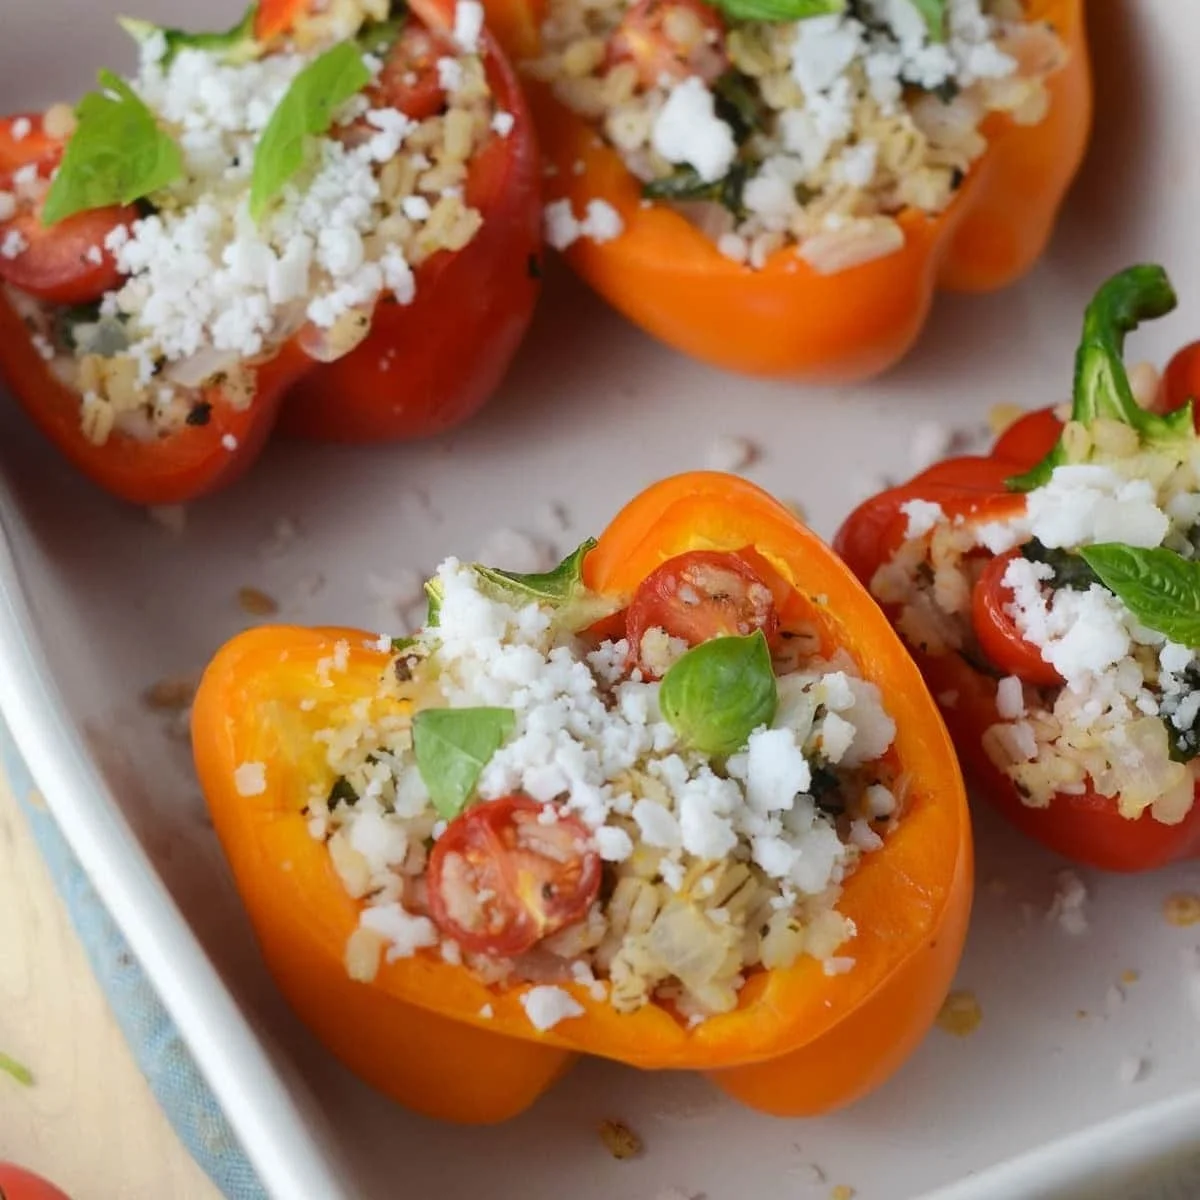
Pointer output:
x,y
800,1042
786,319
1087,828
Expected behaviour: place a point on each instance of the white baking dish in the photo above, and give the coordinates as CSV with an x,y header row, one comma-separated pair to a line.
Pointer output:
x,y
98,601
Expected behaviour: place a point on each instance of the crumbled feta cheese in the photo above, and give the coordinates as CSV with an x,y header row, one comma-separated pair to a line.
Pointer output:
x,y
450,74
487,1012
857,164
403,932
923,515
250,779
546,1006
688,130
601,223
229,442
19,129
1010,698
502,123
14,244
468,24
8,205
1067,907
1087,503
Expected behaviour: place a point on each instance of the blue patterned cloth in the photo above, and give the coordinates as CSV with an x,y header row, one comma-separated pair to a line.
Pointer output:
x,y
157,1047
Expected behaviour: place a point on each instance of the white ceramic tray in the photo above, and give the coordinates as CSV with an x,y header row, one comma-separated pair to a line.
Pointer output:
x,y
98,601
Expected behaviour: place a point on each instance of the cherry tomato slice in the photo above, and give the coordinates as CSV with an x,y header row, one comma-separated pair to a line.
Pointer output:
x,y
500,881
65,263
701,595
18,1184
410,80
276,17
999,638
1181,380
1029,438
672,39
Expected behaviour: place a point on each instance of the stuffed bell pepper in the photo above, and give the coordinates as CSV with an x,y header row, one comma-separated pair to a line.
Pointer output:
x,y
1051,594
682,802
338,206
778,186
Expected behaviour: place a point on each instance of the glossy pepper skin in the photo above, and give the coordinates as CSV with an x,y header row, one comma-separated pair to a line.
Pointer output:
x,y
422,368
427,366
800,1042
1086,828
787,320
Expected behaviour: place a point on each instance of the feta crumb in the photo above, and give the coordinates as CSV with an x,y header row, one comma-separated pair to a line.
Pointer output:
x,y
923,515
14,244
404,932
8,205
229,442
837,965
450,74
613,844
502,123
602,223
487,1012
468,24
19,129
546,1006
688,130
1010,698
728,453
250,779
1067,907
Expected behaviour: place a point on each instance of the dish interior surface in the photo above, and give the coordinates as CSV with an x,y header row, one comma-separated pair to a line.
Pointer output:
x,y
591,413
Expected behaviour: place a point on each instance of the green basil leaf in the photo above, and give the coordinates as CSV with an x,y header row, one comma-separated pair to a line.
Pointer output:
x,y
306,110
342,792
116,155
737,102
234,45
1102,388
779,10
719,692
934,14
18,1071
685,183
1160,588
1070,570
561,589
378,37
452,746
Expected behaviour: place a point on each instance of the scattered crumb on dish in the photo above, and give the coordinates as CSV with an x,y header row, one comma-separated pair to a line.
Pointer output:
x,y
960,1013
254,602
1182,909
619,1140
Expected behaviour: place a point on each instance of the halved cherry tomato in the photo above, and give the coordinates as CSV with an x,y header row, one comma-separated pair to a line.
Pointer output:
x,y
701,595
65,263
1029,438
1181,380
999,639
18,1184
671,38
410,80
500,881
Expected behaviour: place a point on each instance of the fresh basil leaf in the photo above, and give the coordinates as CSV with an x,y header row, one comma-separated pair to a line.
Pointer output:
x,y
719,692
575,605
18,1071
1102,388
779,10
452,746
234,45
1070,571
1160,587
116,155
933,13
342,792
306,110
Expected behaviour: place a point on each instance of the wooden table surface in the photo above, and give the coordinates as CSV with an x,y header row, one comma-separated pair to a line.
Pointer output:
x,y
89,1122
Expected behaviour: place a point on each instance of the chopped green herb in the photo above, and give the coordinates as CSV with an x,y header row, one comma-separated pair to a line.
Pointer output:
x,y
21,1073
116,155
575,605
825,789
378,37
234,45
719,692
685,183
738,104
1070,570
947,90
342,793
199,414
433,610
306,110
452,746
